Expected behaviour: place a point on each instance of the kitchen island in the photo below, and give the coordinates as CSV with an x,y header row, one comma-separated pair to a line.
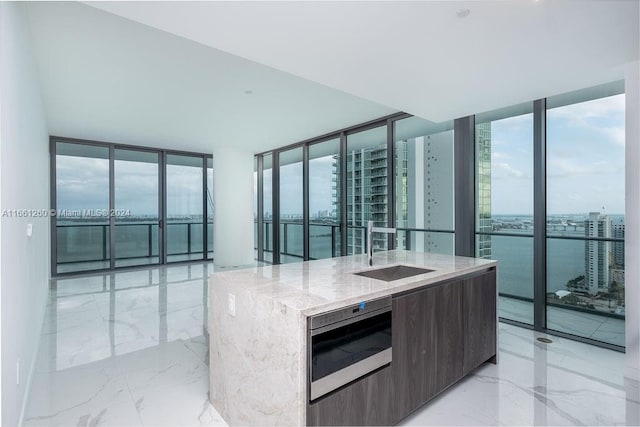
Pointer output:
x,y
259,333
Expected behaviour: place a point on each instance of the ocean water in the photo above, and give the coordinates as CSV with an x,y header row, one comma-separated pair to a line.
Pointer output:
x,y
565,258
87,242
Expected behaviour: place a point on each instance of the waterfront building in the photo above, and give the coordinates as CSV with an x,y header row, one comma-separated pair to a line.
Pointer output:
x,y
366,195
597,254
618,247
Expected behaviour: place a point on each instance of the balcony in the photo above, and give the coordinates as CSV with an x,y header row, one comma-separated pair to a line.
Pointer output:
x,y
85,247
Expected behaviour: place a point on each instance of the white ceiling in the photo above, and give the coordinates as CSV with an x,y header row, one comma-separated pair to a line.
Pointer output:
x,y
109,78
418,56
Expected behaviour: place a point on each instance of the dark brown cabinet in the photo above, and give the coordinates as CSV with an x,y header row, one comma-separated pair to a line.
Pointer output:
x,y
440,333
368,401
427,344
479,314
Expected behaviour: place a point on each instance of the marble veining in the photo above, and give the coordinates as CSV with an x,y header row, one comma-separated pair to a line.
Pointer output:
x,y
256,362
86,376
264,343
317,286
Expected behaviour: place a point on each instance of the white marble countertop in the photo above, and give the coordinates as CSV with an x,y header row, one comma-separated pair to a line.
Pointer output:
x,y
318,286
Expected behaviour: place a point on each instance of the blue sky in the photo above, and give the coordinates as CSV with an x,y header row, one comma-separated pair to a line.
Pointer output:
x,y
585,160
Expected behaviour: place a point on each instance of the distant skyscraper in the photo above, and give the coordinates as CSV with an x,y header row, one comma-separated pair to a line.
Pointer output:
x,y
483,162
597,254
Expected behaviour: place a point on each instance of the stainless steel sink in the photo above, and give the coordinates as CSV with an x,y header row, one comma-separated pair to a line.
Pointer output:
x,y
396,272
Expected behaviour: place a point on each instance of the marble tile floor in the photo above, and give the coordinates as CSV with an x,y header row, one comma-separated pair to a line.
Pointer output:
x,y
130,349
588,325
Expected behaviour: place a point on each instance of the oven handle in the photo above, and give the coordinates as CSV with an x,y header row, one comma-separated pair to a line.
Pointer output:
x,y
357,318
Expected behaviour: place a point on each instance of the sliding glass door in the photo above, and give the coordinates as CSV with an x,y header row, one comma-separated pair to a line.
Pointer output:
x,y
137,213
185,208
81,233
123,206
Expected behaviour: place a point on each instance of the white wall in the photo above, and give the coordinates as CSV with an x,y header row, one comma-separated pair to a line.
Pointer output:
x,y
632,218
233,207
24,179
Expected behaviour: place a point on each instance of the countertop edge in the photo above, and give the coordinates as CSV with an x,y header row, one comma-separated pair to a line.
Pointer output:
x,y
300,287
336,305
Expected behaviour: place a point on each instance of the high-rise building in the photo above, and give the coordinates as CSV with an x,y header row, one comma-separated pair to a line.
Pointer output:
x,y
483,215
618,247
366,195
424,191
597,254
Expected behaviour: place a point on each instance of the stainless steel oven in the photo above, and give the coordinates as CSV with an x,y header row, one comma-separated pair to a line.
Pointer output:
x,y
347,344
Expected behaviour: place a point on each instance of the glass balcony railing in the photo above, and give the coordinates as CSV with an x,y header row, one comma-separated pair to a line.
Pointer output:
x,y
82,245
324,239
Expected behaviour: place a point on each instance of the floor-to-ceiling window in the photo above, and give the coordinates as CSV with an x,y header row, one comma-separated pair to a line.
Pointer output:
x,y
81,225
137,210
367,195
291,227
185,206
424,182
504,204
324,199
549,201
121,206
267,190
585,213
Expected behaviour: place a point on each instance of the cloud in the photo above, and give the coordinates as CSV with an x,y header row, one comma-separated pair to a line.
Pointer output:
x,y
515,123
505,170
603,116
498,155
562,167
611,106
615,135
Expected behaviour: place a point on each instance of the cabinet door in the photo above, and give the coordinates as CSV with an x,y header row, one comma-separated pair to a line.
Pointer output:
x,y
368,401
427,344
479,308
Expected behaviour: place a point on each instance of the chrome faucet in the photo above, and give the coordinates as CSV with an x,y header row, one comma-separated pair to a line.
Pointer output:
x,y
370,230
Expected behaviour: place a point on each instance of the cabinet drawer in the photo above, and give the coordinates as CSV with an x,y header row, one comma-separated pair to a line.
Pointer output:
x,y
367,401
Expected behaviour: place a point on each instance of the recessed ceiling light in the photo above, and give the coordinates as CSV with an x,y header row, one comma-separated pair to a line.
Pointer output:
x,y
463,13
